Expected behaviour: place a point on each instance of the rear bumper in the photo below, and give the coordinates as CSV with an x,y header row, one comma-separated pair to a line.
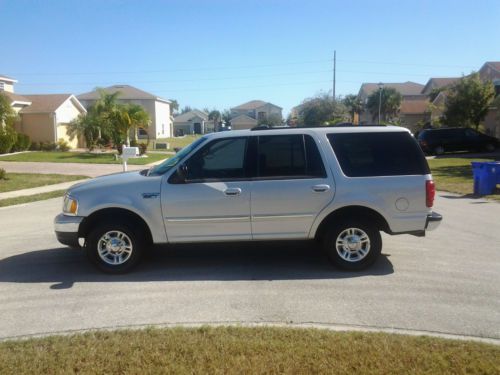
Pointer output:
x,y
66,229
433,220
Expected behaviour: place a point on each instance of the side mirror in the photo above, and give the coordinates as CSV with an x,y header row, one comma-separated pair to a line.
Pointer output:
x,y
182,173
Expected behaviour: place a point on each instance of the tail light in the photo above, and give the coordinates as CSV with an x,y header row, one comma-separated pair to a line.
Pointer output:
x,y
430,192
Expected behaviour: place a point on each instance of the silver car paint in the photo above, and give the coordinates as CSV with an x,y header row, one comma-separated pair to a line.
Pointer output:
x,y
272,209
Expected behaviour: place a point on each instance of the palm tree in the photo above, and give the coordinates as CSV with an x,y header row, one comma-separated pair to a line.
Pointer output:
x,y
128,117
354,105
389,103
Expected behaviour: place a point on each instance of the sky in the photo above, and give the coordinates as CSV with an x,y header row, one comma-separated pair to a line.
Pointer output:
x,y
222,53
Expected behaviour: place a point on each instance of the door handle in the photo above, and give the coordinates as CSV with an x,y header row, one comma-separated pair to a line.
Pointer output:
x,y
321,188
232,191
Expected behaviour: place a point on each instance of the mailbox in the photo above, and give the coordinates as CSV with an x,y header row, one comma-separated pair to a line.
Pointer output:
x,y
127,153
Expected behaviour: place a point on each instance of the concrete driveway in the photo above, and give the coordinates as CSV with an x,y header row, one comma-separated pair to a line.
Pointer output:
x,y
447,282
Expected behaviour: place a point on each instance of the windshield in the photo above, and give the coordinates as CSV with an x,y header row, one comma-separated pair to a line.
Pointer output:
x,y
172,162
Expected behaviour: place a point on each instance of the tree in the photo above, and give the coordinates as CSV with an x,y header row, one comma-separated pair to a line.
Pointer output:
x,y
353,104
468,101
226,117
7,113
174,106
186,109
87,126
126,118
271,120
321,110
390,103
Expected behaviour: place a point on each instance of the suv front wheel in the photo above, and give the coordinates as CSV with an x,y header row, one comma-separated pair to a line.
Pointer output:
x,y
114,247
353,245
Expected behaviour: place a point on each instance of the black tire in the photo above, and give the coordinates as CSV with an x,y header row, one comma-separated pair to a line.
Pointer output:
x,y
438,150
358,226
489,147
132,237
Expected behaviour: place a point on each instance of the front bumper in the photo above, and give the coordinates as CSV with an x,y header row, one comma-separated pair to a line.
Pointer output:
x,y
433,220
66,229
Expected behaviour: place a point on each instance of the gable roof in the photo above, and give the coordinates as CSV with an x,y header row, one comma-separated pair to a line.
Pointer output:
x,y
245,119
494,65
437,83
404,88
3,77
188,116
253,104
49,103
126,92
14,98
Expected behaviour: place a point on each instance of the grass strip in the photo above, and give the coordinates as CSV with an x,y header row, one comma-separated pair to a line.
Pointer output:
x,y
237,350
19,181
31,198
80,157
455,175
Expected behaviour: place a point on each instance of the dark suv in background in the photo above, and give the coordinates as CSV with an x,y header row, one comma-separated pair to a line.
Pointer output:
x,y
439,141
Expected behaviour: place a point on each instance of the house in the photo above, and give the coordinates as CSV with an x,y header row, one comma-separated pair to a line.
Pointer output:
x,y
414,111
252,113
159,109
193,122
437,84
409,91
490,71
44,118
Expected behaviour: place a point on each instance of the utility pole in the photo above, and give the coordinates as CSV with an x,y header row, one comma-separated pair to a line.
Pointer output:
x,y
334,70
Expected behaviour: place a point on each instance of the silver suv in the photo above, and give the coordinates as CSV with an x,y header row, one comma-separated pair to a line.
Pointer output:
x,y
339,186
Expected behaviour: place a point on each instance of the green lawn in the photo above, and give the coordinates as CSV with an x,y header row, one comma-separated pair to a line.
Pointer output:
x,y
79,157
231,350
179,142
18,181
455,175
31,198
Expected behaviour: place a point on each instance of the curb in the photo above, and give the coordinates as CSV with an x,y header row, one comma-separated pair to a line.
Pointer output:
x,y
295,325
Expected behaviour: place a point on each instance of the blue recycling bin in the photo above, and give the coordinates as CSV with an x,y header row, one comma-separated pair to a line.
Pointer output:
x,y
486,177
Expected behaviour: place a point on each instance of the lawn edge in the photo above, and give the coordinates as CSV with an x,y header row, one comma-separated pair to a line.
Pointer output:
x,y
334,327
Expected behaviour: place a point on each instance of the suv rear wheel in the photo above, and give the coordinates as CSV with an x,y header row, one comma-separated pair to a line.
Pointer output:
x,y
114,247
353,245
489,147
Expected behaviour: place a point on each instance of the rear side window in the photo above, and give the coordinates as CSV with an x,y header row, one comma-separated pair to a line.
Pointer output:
x,y
289,156
378,154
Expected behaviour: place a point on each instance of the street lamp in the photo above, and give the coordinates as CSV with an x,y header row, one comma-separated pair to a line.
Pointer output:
x,y
380,87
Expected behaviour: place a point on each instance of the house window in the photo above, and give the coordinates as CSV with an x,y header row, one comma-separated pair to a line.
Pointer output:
x,y
261,116
162,128
2,86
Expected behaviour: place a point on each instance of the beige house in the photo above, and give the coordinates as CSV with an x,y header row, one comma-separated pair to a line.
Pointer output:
x,y
159,109
410,92
44,118
193,122
250,114
47,117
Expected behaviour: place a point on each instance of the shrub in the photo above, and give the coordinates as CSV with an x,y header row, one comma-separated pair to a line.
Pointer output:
x,y
23,142
3,174
8,137
35,146
134,143
48,146
62,145
142,148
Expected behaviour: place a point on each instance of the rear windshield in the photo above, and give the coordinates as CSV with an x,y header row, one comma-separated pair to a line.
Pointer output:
x,y
378,154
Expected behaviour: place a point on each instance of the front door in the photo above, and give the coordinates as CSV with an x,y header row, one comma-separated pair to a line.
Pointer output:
x,y
211,202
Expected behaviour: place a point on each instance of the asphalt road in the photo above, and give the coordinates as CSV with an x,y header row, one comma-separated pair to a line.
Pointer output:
x,y
447,282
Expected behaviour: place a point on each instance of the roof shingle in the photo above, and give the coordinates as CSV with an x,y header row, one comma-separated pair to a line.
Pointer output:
x,y
45,103
126,92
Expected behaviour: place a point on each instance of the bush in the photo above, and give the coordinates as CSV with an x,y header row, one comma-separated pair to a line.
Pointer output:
x,y
35,146
62,145
3,174
48,146
23,143
8,137
142,148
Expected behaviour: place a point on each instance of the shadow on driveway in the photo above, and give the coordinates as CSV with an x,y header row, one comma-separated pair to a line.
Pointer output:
x,y
227,262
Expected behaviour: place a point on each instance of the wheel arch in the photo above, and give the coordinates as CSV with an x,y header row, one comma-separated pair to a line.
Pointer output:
x,y
352,212
111,214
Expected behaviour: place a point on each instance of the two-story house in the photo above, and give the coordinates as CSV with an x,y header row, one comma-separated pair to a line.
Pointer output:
x,y
252,113
158,109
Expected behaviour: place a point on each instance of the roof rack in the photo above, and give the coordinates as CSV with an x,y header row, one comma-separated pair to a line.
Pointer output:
x,y
338,125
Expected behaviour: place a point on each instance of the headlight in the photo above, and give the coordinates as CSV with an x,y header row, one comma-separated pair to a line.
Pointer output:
x,y
70,205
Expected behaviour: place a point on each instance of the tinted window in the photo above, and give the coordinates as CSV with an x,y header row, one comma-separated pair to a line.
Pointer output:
x,y
378,154
289,156
219,160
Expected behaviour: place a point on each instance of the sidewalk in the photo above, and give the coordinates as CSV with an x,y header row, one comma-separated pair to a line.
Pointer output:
x,y
38,190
